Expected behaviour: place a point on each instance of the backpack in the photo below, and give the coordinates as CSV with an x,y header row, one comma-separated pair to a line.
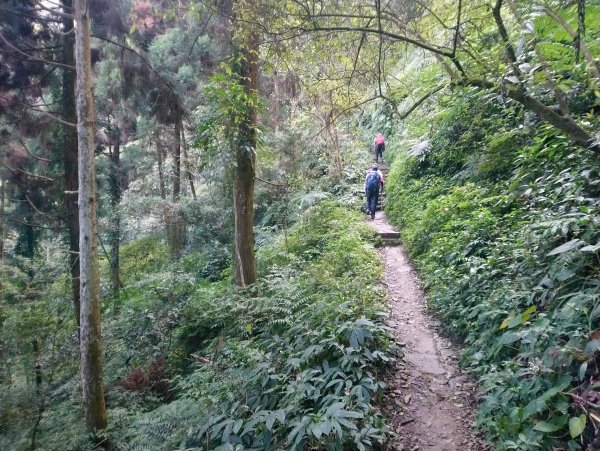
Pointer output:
x,y
379,139
373,180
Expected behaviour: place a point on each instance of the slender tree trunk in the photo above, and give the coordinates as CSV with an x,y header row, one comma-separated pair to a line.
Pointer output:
x,y
116,182
174,219
90,338
177,160
70,155
245,171
186,161
332,136
41,404
161,170
223,26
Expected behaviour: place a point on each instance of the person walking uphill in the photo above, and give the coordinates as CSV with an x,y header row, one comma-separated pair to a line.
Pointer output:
x,y
372,183
379,147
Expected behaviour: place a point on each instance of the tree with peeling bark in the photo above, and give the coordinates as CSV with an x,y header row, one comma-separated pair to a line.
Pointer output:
x,y
90,332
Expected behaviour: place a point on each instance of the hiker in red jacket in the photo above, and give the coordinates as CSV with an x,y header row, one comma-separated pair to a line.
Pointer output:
x,y
379,147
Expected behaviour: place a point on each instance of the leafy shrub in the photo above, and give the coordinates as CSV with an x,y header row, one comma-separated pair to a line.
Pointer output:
x,y
142,257
290,363
507,249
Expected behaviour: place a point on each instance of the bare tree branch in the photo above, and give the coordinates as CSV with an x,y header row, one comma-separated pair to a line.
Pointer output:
x,y
457,28
421,100
397,37
510,52
30,57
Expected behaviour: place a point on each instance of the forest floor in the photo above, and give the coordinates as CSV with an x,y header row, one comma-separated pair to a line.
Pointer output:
x,y
430,404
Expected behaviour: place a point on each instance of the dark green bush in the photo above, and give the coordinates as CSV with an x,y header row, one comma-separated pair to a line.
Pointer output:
x,y
507,248
290,363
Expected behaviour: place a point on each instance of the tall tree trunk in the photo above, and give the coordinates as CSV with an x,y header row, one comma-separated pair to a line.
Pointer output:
x,y
186,161
116,182
245,171
161,170
90,338
174,220
41,404
332,135
177,159
70,154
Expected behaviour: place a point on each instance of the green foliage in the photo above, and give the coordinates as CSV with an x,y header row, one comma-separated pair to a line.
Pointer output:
x,y
507,249
229,103
290,363
142,257
293,361
38,341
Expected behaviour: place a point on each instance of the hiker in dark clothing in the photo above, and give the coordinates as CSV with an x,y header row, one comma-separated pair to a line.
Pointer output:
x,y
373,181
379,147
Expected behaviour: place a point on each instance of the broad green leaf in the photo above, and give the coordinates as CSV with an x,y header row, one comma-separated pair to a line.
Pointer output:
x,y
296,435
543,426
267,438
280,415
569,245
527,313
541,403
349,424
508,338
237,426
577,425
354,340
507,320
565,275
347,414
516,321
316,430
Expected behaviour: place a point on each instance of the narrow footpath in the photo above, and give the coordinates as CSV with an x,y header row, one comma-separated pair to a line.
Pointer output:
x,y
430,404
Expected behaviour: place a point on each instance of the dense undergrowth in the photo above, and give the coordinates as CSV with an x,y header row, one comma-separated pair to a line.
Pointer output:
x,y
196,364
500,215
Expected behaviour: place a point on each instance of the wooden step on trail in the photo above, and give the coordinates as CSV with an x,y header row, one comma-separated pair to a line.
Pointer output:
x,y
384,229
390,238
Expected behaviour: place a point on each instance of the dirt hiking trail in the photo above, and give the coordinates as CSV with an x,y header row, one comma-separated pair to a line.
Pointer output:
x,y
430,404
